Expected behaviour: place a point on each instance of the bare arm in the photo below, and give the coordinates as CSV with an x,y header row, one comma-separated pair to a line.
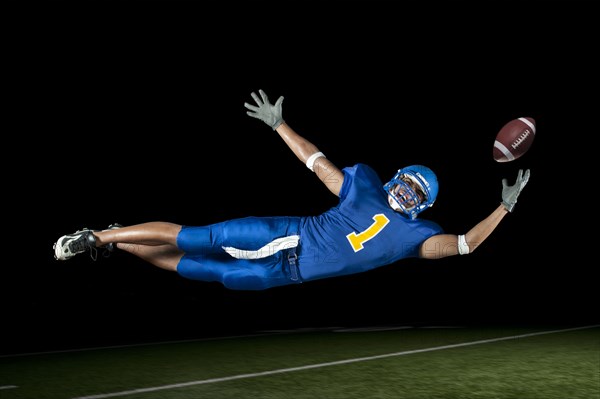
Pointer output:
x,y
443,245
325,170
307,152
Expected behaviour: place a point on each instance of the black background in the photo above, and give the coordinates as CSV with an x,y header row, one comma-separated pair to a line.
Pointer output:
x,y
133,111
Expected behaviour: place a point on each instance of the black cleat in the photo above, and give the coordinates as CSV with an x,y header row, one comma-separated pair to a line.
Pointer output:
x,y
81,241
70,245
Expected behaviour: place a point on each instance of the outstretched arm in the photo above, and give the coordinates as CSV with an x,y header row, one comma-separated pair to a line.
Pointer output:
x,y
306,151
443,245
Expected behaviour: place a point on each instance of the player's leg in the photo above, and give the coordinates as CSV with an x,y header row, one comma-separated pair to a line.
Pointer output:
x,y
165,256
244,234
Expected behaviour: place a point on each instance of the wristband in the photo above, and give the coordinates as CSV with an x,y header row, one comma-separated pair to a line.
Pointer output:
x,y
463,248
311,160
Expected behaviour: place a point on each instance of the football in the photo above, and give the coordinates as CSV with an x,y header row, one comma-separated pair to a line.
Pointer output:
x,y
514,139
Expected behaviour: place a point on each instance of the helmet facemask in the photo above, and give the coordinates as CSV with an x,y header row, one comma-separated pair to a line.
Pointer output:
x,y
412,190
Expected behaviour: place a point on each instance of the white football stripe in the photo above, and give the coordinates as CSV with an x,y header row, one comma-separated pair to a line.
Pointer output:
x,y
504,150
267,250
528,123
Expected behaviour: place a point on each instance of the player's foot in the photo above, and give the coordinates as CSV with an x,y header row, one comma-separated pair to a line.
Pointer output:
x,y
83,240
70,245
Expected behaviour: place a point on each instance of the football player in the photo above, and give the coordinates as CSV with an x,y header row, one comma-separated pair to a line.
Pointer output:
x,y
374,224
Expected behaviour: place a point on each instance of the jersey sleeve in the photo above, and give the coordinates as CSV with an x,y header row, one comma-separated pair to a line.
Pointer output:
x,y
349,173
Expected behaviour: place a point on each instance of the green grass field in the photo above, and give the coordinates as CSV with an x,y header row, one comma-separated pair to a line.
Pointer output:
x,y
427,363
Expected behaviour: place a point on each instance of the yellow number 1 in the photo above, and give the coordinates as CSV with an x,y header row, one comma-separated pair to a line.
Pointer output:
x,y
357,240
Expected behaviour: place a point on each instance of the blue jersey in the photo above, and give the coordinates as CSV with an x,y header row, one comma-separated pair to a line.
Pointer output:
x,y
361,233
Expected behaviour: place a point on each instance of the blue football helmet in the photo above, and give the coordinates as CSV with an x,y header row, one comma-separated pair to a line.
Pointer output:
x,y
412,190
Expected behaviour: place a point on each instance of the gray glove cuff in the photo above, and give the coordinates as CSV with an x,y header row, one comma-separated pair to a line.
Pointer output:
x,y
277,124
509,207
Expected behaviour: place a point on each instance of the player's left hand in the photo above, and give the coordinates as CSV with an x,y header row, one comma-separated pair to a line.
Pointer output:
x,y
511,193
270,114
